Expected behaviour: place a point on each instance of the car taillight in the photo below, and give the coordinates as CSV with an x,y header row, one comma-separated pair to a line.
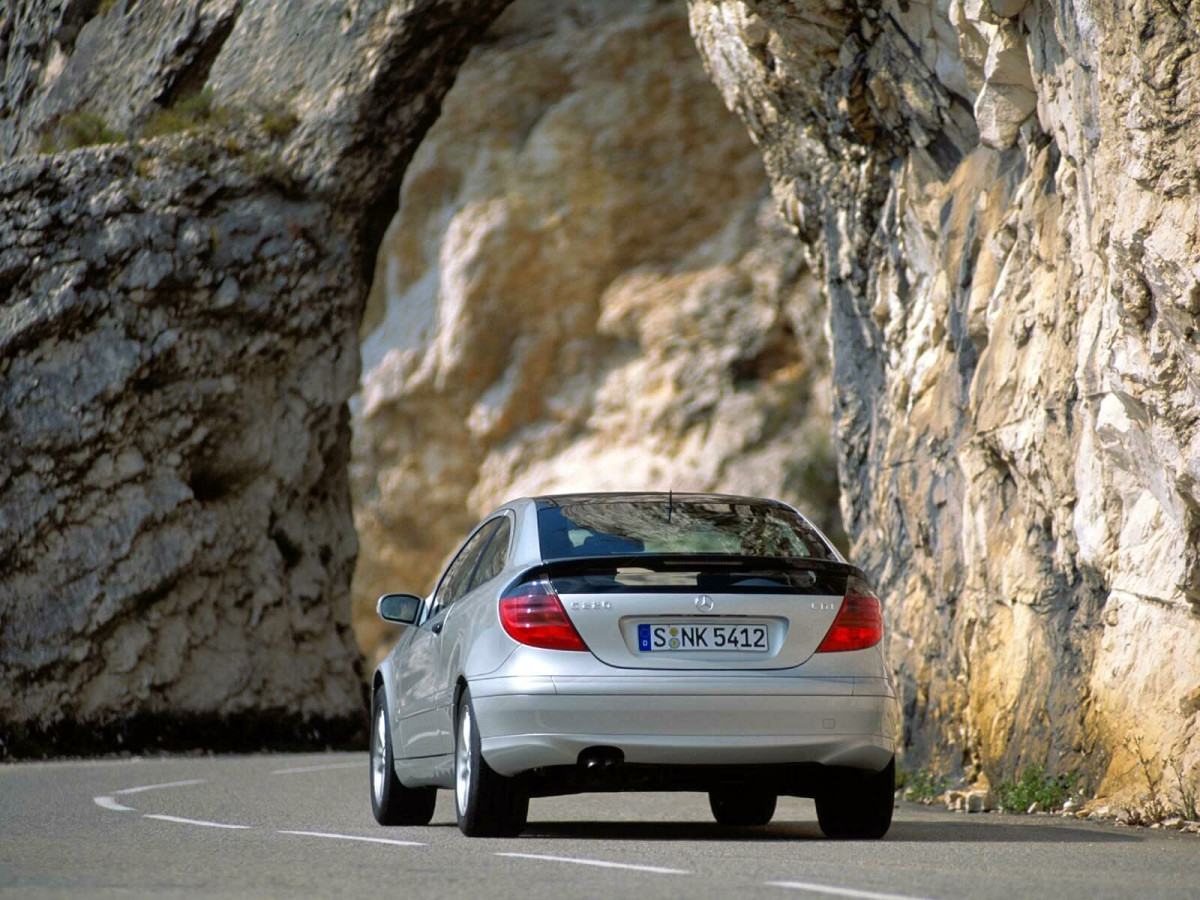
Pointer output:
x,y
858,624
532,614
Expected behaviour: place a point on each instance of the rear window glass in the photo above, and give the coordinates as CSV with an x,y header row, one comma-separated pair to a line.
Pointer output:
x,y
582,528
778,577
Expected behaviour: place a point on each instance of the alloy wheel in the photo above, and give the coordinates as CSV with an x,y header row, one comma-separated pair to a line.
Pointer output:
x,y
462,760
379,755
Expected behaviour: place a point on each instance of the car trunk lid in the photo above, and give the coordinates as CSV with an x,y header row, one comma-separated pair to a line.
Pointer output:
x,y
698,611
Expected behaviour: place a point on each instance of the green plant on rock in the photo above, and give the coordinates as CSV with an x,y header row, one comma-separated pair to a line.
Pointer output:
x,y
1189,802
200,112
190,114
78,129
1156,806
922,786
279,121
269,167
1035,786
196,153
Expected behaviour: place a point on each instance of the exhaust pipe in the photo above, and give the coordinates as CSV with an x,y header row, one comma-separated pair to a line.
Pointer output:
x,y
596,762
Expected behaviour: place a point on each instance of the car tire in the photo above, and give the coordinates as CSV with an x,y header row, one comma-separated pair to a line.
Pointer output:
x,y
742,807
859,807
487,803
392,802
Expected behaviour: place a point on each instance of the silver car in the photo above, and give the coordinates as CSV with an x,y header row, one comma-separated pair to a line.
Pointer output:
x,y
625,642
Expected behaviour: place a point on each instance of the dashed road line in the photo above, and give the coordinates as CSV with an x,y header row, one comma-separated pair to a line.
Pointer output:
x,y
183,821
838,891
299,769
110,803
155,787
107,801
357,837
657,870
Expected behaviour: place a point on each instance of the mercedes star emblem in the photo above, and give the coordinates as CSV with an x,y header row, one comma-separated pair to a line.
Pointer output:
x,y
704,603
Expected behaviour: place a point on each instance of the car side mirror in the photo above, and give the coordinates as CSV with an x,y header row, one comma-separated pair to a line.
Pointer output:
x,y
403,609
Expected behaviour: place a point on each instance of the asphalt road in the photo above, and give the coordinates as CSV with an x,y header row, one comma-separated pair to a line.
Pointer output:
x,y
301,826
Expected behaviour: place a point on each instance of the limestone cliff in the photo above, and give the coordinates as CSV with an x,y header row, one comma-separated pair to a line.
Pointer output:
x,y
994,202
1005,202
586,287
178,338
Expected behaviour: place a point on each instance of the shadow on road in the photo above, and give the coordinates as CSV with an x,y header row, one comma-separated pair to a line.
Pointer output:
x,y
914,832
1000,832
671,831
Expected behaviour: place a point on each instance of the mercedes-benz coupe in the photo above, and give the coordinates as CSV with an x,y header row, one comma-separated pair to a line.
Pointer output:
x,y
638,642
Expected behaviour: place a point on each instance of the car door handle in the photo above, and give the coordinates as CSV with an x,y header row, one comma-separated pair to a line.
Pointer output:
x,y
436,627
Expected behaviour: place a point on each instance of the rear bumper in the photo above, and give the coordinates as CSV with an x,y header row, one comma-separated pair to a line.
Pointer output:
x,y
527,723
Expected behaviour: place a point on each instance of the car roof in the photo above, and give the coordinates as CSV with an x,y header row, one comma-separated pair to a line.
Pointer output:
x,y
549,500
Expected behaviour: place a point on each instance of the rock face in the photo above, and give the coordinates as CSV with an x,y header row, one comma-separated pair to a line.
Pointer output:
x,y
178,337
995,200
1005,203
586,287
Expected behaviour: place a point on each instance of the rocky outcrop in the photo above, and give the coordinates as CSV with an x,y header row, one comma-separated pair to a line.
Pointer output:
x,y
995,201
178,338
1003,198
586,288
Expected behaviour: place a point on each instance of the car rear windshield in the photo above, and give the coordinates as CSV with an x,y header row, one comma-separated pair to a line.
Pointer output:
x,y
590,528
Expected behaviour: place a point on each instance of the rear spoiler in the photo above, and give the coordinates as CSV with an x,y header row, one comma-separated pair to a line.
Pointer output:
x,y
715,572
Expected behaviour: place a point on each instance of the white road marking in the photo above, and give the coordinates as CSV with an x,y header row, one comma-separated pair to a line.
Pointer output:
x,y
183,821
657,870
355,837
155,787
110,803
297,771
838,891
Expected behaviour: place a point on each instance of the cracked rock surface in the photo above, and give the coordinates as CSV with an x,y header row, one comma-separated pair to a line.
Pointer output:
x,y
996,201
1005,200
178,337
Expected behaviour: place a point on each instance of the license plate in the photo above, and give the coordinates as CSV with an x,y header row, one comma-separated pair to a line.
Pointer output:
x,y
668,636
